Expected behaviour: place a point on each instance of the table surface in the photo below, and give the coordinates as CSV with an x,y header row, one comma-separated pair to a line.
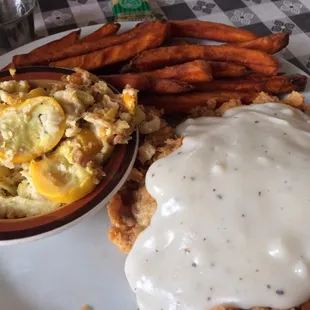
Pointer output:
x,y
260,16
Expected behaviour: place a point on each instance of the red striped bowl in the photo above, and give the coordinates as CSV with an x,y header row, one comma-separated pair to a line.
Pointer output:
x,y
117,169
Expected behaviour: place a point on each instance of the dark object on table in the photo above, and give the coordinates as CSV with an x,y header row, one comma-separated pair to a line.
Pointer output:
x,y
16,22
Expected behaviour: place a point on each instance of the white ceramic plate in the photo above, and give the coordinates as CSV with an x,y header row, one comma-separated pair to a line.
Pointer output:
x,y
77,266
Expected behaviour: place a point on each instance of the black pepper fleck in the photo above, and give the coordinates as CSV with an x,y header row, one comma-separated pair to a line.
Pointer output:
x,y
279,292
257,270
284,133
240,279
266,152
156,251
268,286
259,193
285,182
153,175
179,153
243,215
209,298
214,189
212,264
211,288
256,122
204,239
184,177
193,178
228,241
194,265
219,196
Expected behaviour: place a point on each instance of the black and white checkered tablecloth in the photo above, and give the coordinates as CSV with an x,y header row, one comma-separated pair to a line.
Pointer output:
x,y
260,16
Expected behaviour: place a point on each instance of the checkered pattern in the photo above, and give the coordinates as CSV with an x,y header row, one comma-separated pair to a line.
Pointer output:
x,y
260,16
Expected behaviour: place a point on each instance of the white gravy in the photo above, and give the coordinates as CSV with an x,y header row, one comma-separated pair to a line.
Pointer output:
x,y
232,222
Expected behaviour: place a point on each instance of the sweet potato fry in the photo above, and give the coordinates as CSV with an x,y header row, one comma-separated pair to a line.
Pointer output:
x,y
82,48
270,44
175,42
222,69
152,38
186,102
35,56
191,72
157,58
272,85
104,31
209,30
149,84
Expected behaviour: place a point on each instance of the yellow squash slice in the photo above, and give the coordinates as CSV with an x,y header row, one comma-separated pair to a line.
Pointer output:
x,y
59,177
30,129
36,92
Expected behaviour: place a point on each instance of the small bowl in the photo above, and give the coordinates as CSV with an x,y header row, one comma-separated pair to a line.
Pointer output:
x,y
117,169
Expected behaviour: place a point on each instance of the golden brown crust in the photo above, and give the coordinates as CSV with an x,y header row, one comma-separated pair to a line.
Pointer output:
x,y
131,209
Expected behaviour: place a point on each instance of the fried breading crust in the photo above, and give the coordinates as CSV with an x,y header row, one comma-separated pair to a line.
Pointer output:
x,y
132,208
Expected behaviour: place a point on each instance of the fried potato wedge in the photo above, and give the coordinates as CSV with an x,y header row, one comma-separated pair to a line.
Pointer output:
x,y
152,38
37,55
185,103
270,44
148,83
221,69
257,61
275,85
191,72
106,30
209,30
